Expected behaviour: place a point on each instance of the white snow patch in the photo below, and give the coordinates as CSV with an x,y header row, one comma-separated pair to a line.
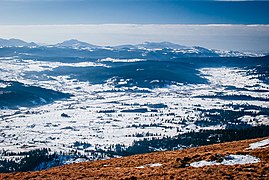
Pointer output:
x,y
228,160
120,60
150,165
78,160
259,144
4,85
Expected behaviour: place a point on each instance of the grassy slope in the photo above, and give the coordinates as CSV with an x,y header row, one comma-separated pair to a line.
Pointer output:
x,y
172,165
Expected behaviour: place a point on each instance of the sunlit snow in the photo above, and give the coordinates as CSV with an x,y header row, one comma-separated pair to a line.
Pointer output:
x,y
228,160
150,165
259,144
103,115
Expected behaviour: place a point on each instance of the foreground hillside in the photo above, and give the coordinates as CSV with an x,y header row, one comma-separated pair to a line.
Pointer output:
x,y
248,159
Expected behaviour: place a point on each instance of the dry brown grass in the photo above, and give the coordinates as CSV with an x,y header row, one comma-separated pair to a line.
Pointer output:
x,y
174,166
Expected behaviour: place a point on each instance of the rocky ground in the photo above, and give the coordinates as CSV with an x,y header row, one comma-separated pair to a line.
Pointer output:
x,y
248,159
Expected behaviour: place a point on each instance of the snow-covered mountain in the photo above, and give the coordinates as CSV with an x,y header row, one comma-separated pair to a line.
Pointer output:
x,y
73,43
16,43
185,51
160,47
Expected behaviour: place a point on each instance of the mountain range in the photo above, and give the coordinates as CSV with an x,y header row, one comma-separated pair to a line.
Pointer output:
x,y
15,42
73,43
150,46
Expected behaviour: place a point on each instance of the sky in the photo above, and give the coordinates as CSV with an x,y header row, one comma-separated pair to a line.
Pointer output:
x,y
132,12
238,25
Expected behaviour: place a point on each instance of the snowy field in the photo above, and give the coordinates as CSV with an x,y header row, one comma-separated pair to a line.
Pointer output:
x,y
105,114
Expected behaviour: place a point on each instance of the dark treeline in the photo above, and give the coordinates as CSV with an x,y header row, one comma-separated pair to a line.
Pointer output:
x,y
28,161
44,158
191,139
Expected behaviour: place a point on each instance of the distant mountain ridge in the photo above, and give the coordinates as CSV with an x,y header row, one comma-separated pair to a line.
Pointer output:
x,y
73,43
185,51
16,43
161,45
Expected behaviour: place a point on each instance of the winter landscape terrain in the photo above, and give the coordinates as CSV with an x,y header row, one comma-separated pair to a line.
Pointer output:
x,y
246,159
82,101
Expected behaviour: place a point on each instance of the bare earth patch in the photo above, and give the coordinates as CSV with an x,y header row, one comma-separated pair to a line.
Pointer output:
x,y
168,165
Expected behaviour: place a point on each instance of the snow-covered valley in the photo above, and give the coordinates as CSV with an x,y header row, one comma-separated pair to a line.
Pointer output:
x,y
125,108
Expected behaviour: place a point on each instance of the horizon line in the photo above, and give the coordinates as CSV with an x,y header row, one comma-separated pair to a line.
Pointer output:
x,y
144,24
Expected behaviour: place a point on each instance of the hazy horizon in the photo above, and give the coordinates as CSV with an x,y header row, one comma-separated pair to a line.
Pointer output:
x,y
226,25
213,36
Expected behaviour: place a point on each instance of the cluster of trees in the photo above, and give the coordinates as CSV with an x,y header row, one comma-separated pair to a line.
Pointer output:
x,y
191,139
26,161
39,159
230,118
147,134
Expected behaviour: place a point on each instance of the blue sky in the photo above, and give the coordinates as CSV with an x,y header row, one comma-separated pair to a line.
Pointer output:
x,y
133,12
231,25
